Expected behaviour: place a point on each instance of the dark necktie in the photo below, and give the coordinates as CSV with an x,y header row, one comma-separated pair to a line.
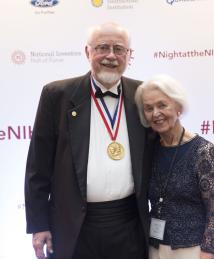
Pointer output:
x,y
100,94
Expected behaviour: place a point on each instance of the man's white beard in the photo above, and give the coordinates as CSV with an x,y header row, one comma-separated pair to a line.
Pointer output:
x,y
108,77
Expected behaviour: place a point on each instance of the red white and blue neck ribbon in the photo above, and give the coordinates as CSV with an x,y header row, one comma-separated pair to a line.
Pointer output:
x,y
112,123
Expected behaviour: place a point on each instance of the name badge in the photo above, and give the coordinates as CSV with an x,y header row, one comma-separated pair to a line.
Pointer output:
x,y
157,228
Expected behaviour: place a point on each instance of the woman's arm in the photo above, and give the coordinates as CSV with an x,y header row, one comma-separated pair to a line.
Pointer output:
x,y
206,183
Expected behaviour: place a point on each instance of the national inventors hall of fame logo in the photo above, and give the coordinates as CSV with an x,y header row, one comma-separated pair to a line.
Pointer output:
x,y
97,3
18,57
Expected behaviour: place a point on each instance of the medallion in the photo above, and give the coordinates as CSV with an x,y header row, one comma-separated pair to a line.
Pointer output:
x,y
115,151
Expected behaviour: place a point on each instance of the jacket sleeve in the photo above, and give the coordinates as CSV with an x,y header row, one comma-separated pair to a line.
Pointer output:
x,y
39,168
206,182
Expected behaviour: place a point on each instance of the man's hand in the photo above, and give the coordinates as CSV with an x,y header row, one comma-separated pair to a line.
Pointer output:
x,y
206,255
39,240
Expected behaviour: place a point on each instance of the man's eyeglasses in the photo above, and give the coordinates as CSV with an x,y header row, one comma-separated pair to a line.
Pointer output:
x,y
105,49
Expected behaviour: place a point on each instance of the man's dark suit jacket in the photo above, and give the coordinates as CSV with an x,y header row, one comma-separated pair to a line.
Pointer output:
x,y
55,182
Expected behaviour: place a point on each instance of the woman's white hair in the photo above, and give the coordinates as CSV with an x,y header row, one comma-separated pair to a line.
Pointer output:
x,y
167,85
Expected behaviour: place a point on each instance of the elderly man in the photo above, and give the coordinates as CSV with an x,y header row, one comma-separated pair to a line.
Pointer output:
x,y
87,168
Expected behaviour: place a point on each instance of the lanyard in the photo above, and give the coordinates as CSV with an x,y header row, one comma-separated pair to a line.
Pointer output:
x,y
163,184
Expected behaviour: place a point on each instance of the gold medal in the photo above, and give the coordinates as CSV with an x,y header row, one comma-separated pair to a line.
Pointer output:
x,y
115,151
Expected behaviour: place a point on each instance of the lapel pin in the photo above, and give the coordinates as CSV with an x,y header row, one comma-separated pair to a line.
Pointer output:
x,y
74,113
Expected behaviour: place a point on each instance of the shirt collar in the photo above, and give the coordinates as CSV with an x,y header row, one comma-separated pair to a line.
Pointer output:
x,y
113,89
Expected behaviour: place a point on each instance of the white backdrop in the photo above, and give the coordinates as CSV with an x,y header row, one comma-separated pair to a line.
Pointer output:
x,y
44,40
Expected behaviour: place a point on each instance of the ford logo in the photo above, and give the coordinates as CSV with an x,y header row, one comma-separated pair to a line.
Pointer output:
x,y
44,3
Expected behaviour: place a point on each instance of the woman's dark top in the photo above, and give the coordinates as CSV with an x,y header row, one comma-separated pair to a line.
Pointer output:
x,y
188,207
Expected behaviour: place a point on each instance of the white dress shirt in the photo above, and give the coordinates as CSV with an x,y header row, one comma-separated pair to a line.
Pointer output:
x,y
107,179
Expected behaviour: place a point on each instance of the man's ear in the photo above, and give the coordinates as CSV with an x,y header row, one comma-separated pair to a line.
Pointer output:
x,y
87,52
131,57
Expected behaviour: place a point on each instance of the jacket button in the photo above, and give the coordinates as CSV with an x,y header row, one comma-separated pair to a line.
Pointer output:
x,y
74,113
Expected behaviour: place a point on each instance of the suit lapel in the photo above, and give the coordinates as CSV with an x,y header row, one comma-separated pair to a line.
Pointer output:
x,y
136,134
79,130
79,115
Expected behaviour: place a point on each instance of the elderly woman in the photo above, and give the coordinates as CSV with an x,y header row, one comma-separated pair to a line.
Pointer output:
x,y
181,189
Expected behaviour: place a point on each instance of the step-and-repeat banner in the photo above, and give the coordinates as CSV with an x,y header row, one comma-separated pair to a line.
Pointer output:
x,y
43,40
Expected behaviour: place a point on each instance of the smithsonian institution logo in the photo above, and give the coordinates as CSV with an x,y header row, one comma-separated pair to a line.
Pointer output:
x,y
115,4
97,3
44,3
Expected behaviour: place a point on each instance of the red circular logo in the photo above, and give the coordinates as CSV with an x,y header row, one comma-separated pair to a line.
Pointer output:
x,y
18,57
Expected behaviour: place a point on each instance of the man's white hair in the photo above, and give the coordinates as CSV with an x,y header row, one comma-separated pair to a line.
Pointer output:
x,y
108,27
